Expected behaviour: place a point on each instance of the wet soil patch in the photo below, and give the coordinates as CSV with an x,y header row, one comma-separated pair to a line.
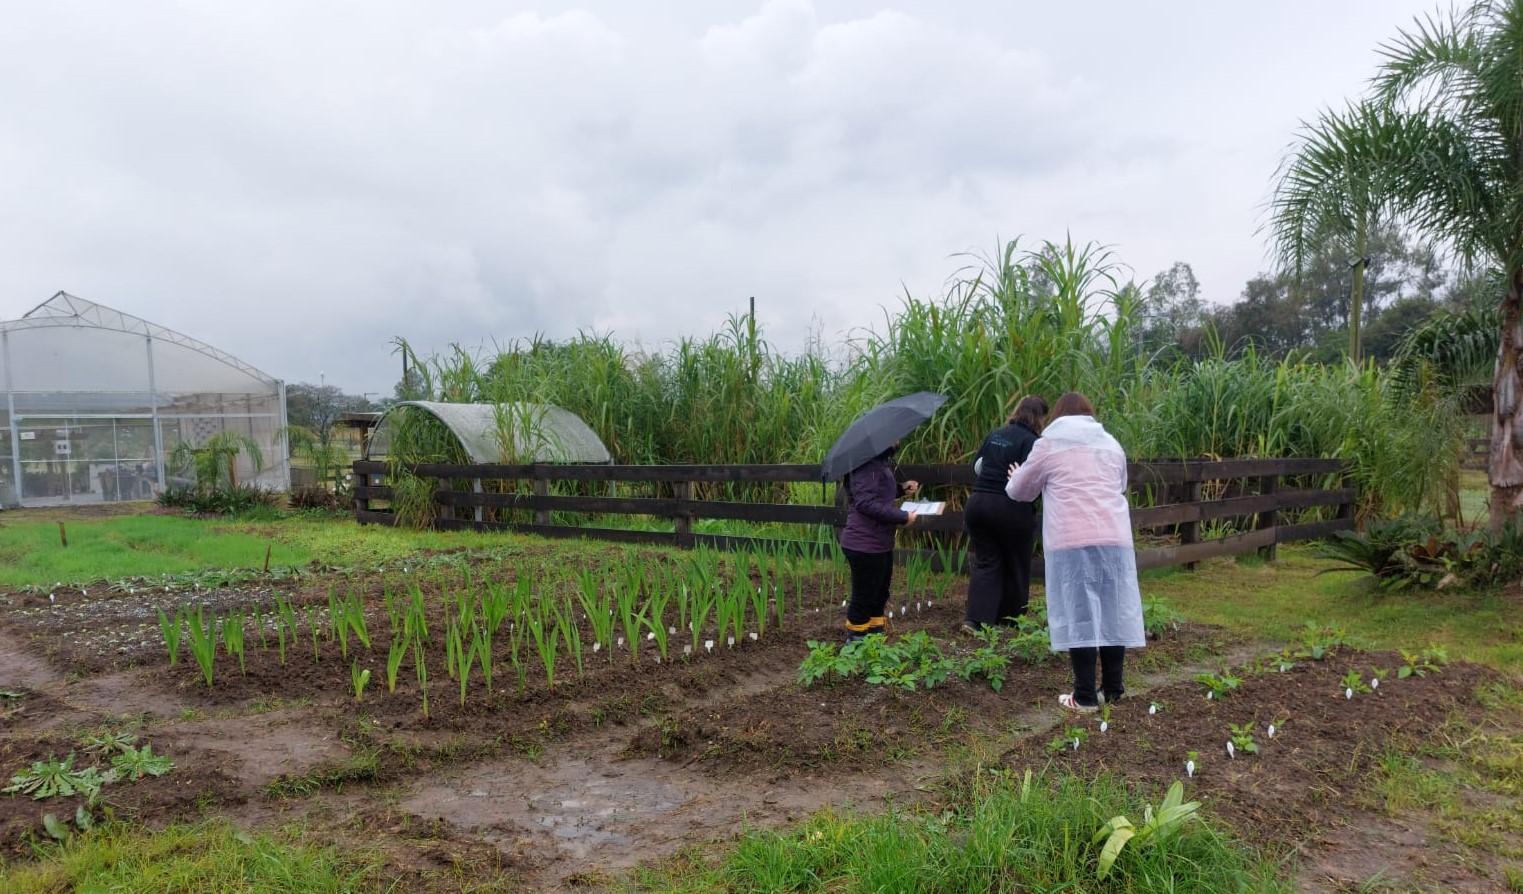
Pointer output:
x,y
852,723
1302,779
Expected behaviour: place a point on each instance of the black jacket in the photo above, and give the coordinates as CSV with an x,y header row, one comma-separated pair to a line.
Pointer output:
x,y
1011,444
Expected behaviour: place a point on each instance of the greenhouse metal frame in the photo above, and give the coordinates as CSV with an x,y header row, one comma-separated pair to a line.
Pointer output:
x,y
97,400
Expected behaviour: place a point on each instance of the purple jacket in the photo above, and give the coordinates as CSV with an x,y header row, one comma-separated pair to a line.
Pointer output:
x,y
871,515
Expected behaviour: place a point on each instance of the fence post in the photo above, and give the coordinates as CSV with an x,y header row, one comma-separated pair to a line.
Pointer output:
x,y
1189,532
542,489
445,510
683,491
1268,485
476,488
1346,510
361,482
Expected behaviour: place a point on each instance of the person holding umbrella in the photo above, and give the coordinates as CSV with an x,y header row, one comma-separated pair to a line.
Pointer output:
x,y
1001,531
1094,606
862,456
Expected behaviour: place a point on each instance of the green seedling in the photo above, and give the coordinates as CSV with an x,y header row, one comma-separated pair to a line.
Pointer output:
x,y
394,657
1420,664
203,643
54,778
134,763
1242,740
1353,684
107,743
171,629
359,678
1118,832
1218,686
1069,740
232,638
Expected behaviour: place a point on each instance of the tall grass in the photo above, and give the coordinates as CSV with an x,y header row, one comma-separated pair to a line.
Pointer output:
x,y
1002,835
1058,317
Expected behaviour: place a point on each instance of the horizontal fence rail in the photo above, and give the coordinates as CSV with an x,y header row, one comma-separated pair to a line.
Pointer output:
x,y
1172,497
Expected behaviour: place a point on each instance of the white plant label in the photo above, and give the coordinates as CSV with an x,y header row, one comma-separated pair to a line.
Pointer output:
x,y
1375,683
1104,726
650,636
621,642
843,603
917,606
1153,708
1271,731
1210,696
671,631
1348,693
752,634
1231,752
731,642
1076,744
687,650
891,615
1190,768
596,646
708,645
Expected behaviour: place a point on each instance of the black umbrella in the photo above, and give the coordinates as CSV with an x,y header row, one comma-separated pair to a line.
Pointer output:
x,y
876,430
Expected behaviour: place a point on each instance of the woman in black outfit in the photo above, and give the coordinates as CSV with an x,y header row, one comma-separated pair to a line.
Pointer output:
x,y
1002,532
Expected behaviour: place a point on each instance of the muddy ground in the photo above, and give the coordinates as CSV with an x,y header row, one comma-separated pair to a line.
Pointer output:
x,y
637,759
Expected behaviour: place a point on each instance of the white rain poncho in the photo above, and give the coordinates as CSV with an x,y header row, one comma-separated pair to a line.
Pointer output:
x,y
1079,471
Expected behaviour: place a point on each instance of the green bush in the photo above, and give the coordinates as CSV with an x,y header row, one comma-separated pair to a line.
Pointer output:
x,y
240,500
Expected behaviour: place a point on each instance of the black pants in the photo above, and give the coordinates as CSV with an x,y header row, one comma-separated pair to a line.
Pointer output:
x,y
1111,660
870,576
1002,533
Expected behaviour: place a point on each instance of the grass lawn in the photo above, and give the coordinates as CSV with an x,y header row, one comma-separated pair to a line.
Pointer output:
x,y
130,546
1275,600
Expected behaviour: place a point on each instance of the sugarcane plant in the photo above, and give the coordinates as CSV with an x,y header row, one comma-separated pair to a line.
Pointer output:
x,y
171,629
203,642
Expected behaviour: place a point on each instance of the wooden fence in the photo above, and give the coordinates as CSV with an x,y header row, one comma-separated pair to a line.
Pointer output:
x,y
1254,496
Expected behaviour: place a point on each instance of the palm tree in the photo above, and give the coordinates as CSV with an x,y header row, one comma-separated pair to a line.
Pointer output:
x,y
1332,191
216,461
1443,129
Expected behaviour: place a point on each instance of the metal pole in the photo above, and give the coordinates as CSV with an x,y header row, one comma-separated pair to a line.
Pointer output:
x,y
285,443
158,432
10,404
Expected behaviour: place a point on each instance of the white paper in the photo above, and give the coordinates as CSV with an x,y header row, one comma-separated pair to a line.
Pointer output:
x,y
923,508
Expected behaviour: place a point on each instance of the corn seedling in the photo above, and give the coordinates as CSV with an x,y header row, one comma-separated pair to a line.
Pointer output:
x,y
394,657
171,629
570,632
658,630
481,645
232,638
259,618
464,657
315,630
203,642
546,643
420,663
631,621
598,606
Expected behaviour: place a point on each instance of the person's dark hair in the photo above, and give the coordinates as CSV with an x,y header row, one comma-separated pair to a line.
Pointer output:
x,y
1029,412
1071,404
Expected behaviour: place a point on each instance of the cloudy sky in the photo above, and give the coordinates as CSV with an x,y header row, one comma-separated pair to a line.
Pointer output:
x,y
299,182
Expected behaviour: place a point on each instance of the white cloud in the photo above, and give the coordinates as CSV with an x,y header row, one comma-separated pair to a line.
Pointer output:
x,y
297,183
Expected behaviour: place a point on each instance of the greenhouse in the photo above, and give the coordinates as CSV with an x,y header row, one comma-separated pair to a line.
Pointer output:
x,y
488,433
96,402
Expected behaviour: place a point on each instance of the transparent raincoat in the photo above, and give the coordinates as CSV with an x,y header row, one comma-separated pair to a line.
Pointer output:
x,y
1079,471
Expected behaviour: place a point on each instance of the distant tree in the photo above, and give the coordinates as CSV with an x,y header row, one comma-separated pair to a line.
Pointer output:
x,y
317,407
1173,315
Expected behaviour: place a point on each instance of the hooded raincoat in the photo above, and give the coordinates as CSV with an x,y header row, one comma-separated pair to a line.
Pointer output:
x,y
1079,471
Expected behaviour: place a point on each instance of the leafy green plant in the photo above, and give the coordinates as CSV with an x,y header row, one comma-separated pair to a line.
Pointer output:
x,y
987,660
135,763
1353,684
1242,738
1218,686
54,778
1321,640
1159,617
1069,740
597,605
1429,660
1119,832
107,742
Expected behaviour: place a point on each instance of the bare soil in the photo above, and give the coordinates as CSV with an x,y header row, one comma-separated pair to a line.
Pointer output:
x,y
636,759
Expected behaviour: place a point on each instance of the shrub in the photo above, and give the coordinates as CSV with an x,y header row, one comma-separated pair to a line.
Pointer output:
x,y
222,501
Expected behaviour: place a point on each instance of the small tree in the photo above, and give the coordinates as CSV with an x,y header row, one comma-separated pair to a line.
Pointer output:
x,y
216,461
